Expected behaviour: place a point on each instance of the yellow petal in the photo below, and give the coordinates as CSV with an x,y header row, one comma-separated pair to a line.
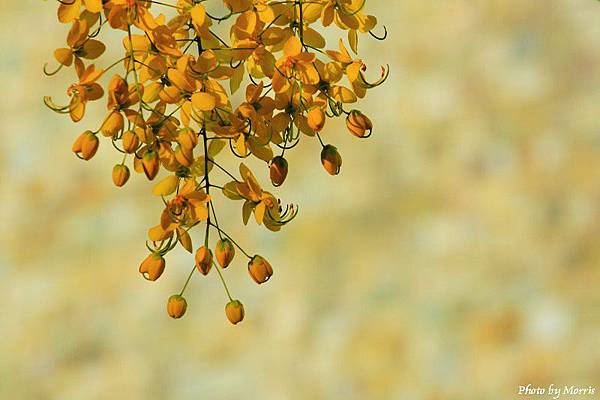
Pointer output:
x,y
199,211
353,40
166,186
313,38
69,12
64,56
78,34
259,212
198,14
327,15
92,49
292,47
203,101
236,79
215,147
230,191
185,239
345,95
94,6
158,234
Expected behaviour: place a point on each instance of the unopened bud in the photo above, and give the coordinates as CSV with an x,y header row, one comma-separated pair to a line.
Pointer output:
x,y
151,164
331,159
86,145
131,142
204,259
184,156
316,119
278,170
176,306
259,269
113,124
224,252
359,124
234,311
120,174
152,267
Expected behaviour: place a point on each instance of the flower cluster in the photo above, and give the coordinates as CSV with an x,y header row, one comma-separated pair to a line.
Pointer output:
x,y
171,108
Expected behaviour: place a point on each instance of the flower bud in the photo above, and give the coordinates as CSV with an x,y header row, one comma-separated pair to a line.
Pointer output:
x,y
151,164
316,119
259,269
331,159
184,156
278,170
204,259
113,124
86,145
152,267
234,311
131,142
120,174
224,252
176,306
187,138
359,124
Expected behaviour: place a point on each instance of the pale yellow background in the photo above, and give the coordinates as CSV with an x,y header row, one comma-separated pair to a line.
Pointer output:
x,y
455,257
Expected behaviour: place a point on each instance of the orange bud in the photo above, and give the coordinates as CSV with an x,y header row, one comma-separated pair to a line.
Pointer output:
x,y
184,156
86,145
176,306
187,138
113,124
151,164
359,124
152,267
278,170
316,119
120,174
224,252
259,269
204,259
331,159
234,311
131,142
146,135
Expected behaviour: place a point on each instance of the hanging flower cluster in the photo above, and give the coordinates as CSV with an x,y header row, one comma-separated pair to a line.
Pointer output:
x,y
171,108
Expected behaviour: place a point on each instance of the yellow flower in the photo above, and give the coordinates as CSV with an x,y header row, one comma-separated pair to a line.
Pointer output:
x,y
86,90
294,65
123,12
172,108
354,69
80,46
68,11
188,207
257,200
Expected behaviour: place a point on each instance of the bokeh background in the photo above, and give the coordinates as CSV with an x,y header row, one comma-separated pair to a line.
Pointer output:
x,y
456,256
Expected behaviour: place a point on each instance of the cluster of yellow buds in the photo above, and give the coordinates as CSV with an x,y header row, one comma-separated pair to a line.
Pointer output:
x,y
170,109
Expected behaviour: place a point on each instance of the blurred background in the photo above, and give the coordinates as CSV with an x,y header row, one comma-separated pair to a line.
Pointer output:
x,y
455,257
